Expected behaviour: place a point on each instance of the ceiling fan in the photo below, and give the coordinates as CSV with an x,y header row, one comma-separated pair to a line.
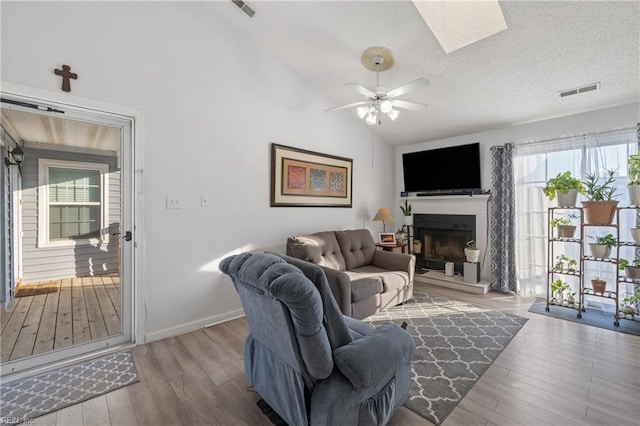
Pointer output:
x,y
379,99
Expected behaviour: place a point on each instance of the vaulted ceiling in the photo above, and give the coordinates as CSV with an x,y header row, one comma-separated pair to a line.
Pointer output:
x,y
512,77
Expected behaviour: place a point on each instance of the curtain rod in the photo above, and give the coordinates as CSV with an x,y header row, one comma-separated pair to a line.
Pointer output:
x,y
577,136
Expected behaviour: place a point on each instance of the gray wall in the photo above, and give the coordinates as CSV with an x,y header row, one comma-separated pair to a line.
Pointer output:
x,y
50,263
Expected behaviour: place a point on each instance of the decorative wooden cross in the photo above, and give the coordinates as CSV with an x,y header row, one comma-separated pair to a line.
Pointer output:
x,y
66,75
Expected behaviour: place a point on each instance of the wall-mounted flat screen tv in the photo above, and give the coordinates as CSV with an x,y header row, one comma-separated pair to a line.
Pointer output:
x,y
452,169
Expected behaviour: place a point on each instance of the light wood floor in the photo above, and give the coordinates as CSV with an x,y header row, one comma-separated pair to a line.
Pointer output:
x,y
83,309
554,372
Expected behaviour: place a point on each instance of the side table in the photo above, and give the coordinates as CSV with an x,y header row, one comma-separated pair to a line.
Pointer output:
x,y
391,247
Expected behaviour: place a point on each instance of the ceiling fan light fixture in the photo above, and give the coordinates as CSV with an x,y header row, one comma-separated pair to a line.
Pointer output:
x,y
393,114
386,106
371,118
362,111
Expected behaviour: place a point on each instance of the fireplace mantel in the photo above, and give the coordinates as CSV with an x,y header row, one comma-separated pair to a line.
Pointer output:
x,y
460,204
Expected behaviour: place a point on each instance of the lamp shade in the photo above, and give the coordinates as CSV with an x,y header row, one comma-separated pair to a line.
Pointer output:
x,y
383,215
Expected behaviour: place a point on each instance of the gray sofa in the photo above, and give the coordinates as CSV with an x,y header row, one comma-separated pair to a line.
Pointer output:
x,y
363,279
309,362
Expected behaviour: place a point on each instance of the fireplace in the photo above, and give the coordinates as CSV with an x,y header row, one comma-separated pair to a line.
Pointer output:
x,y
443,239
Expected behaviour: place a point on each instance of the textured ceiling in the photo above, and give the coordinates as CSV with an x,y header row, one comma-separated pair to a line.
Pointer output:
x,y
509,78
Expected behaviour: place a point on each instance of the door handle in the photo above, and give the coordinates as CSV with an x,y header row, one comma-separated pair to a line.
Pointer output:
x,y
127,236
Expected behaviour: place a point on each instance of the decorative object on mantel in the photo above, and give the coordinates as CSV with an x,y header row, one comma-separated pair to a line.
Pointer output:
x,y
66,75
406,211
301,178
471,252
383,216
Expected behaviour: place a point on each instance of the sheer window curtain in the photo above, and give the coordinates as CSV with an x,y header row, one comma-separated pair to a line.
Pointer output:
x,y
536,162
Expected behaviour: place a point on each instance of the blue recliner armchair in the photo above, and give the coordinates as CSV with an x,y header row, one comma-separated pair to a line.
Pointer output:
x,y
310,363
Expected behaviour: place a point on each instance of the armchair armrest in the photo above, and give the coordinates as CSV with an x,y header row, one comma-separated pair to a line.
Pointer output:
x,y
395,262
340,285
374,357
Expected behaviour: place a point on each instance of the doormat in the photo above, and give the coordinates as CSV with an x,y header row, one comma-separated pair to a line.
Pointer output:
x,y
455,344
44,393
36,289
592,317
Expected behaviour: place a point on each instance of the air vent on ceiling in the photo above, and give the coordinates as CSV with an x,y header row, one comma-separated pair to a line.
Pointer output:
x,y
577,90
244,7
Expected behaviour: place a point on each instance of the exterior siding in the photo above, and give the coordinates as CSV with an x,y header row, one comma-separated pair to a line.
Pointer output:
x,y
83,259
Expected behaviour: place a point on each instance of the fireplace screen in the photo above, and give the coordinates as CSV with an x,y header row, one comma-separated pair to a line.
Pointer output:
x,y
443,239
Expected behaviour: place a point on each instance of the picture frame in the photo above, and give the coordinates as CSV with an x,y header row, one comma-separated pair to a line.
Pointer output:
x,y
388,238
302,178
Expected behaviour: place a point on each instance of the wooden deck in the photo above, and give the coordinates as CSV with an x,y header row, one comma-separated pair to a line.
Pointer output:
x,y
83,309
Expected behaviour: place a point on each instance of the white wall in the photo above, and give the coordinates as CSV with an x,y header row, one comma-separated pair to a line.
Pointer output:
x,y
213,101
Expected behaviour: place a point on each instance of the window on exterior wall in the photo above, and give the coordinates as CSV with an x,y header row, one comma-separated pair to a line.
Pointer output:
x,y
72,202
535,163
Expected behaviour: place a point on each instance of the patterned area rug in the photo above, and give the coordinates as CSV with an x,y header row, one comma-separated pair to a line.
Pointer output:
x,y
39,395
455,344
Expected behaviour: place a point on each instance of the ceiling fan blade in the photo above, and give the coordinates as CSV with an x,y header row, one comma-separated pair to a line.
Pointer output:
x,y
413,106
361,89
347,106
406,88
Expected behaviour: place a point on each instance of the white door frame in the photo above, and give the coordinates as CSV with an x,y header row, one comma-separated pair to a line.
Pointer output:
x,y
132,195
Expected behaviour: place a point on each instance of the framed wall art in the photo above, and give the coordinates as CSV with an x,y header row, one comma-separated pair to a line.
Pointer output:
x,y
301,178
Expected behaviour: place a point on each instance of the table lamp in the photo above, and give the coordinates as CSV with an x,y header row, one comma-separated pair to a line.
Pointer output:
x,y
383,216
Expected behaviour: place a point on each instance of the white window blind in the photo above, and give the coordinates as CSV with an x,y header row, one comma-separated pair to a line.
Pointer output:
x,y
72,201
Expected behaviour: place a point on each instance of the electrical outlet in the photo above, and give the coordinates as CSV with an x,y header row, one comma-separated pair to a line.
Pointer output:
x,y
204,200
174,201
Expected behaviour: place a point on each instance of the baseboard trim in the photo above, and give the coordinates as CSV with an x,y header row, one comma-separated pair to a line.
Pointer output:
x,y
192,326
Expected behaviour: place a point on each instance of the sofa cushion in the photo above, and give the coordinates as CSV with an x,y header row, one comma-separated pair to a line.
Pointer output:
x,y
364,287
391,280
357,247
320,248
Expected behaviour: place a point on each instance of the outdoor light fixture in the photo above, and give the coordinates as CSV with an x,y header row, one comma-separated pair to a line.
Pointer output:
x,y
18,157
383,216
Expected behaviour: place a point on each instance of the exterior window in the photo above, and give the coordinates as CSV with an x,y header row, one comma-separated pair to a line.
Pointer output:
x,y
72,202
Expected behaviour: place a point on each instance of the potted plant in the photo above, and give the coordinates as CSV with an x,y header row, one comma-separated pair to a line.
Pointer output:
x,y
471,252
563,225
417,246
631,270
401,235
600,206
635,234
598,285
558,287
633,171
603,245
565,264
629,305
406,212
565,187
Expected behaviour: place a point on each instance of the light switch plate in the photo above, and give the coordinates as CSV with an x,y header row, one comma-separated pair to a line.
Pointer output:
x,y
174,201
